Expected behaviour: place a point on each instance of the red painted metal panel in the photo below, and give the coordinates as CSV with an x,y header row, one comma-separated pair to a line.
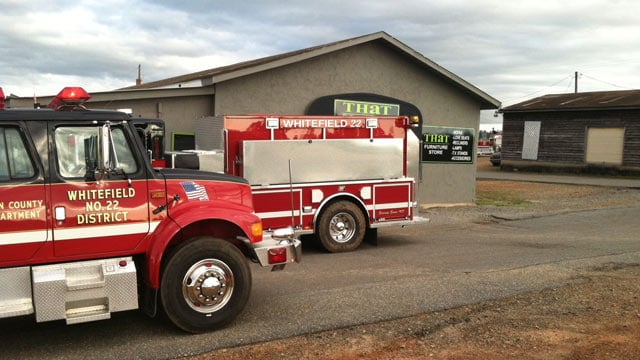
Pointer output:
x,y
23,221
98,217
392,201
388,200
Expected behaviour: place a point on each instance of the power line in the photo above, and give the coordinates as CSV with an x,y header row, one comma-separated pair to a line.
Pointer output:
x,y
569,77
606,82
570,83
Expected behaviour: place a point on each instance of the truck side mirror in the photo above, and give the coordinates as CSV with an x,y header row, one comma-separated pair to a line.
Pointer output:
x,y
104,150
97,150
91,157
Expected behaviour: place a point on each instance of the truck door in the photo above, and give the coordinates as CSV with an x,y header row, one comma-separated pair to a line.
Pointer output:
x,y
96,214
23,225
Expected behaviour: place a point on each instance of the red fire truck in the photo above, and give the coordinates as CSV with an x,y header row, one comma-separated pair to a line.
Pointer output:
x,y
489,142
88,227
336,177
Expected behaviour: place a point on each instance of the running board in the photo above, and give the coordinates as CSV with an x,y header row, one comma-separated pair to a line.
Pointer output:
x,y
84,291
15,297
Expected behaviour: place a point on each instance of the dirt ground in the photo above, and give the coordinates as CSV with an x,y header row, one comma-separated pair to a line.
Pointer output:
x,y
596,316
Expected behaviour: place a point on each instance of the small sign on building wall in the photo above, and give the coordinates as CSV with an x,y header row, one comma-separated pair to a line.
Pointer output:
x,y
364,108
447,144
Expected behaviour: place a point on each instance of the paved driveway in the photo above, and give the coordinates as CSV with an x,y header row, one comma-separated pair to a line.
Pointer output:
x,y
412,270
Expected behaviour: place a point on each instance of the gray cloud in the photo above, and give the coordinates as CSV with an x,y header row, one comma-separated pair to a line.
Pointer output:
x,y
509,49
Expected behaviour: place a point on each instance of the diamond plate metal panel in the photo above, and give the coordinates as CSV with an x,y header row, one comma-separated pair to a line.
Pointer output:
x,y
84,291
15,296
209,133
531,139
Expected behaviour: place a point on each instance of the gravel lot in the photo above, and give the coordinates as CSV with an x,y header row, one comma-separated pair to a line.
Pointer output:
x,y
594,317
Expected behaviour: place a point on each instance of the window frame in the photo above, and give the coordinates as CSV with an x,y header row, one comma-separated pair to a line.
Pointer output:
x,y
130,146
27,151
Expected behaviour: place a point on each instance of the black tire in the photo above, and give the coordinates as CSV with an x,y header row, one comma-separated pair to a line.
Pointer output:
x,y
341,227
225,272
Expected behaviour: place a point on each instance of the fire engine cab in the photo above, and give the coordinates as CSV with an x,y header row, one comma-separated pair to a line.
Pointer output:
x,y
88,227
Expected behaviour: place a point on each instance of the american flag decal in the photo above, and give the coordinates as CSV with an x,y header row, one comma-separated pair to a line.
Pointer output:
x,y
195,191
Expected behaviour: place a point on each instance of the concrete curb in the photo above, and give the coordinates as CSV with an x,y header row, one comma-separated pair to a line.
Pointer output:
x,y
621,182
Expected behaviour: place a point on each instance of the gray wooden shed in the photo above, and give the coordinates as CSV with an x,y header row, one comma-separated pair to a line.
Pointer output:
x,y
590,132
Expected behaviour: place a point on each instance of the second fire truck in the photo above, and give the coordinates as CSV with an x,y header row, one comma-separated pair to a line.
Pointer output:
x,y
336,177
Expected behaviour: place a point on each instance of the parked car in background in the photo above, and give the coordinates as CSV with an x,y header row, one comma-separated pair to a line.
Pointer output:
x,y
495,158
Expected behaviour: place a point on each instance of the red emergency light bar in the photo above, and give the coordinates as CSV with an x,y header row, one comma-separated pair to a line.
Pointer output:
x,y
70,98
1,99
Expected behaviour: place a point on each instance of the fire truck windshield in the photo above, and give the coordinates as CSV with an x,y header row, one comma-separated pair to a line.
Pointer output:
x,y
73,146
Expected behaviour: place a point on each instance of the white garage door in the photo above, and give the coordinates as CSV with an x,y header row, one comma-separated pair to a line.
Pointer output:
x,y
604,145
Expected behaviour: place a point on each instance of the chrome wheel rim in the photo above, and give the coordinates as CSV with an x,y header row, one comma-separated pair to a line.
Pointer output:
x,y
342,227
208,285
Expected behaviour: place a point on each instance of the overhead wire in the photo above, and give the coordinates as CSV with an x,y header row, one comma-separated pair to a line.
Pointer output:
x,y
570,83
542,89
606,82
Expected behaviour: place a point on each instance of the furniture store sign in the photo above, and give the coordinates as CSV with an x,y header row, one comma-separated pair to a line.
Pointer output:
x,y
447,144
364,108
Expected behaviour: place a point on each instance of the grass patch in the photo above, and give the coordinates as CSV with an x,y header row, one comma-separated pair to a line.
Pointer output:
x,y
500,198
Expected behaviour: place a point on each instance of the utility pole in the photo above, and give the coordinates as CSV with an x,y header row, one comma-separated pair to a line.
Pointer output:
x,y
139,78
576,82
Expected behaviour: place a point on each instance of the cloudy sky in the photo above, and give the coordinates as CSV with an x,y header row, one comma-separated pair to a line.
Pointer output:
x,y
513,50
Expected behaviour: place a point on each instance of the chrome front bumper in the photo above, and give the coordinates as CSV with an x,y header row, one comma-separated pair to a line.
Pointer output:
x,y
281,242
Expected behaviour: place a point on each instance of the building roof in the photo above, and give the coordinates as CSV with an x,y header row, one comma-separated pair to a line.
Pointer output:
x,y
598,100
216,75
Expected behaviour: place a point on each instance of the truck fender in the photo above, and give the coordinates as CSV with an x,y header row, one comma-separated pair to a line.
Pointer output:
x,y
186,215
349,196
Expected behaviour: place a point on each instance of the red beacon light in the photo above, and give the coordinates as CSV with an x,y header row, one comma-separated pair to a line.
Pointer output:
x,y
70,98
1,99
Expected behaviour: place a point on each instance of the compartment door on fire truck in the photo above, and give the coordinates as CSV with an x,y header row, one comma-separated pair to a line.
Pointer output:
x,y
93,215
22,197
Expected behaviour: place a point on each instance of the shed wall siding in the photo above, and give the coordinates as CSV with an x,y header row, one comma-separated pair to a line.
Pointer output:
x,y
563,135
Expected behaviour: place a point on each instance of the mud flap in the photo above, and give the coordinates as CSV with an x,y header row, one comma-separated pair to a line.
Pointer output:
x,y
371,236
